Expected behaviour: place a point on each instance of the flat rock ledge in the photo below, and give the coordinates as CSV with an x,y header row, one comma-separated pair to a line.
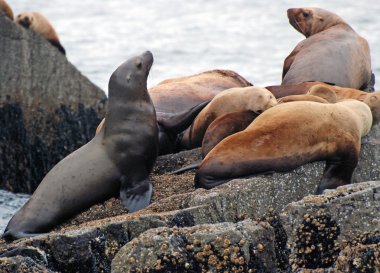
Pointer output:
x,y
334,232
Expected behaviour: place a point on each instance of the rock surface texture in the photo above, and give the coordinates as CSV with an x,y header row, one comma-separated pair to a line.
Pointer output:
x,y
47,107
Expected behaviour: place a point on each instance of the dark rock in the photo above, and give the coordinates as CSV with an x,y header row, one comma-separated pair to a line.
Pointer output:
x,y
21,264
47,107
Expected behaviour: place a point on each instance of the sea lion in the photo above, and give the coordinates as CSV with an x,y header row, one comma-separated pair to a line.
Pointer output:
x,y
306,97
118,159
225,126
179,100
332,51
6,9
255,99
40,24
371,99
290,135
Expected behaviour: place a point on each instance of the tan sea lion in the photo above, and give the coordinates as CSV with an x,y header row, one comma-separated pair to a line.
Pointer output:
x,y
371,99
305,97
40,24
117,160
332,51
6,9
290,135
179,100
255,99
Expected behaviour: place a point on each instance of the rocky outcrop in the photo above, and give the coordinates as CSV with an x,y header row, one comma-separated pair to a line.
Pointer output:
x,y
47,107
339,229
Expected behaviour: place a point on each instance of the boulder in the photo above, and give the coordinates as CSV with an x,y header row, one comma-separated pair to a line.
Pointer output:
x,y
246,246
47,107
339,228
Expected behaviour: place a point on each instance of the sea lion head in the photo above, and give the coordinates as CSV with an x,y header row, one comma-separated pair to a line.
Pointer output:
x,y
323,91
310,21
25,19
131,76
373,101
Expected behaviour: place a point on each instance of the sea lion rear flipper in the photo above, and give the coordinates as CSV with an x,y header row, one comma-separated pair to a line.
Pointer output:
x,y
192,166
137,197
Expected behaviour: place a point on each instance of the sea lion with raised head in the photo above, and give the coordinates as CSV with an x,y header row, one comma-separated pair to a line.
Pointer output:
x,y
39,23
332,51
117,160
179,100
252,98
288,136
6,9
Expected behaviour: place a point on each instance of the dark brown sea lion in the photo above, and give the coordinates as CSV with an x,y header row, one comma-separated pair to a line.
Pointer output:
x,y
332,51
118,159
290,135
256,99
40,24
179,100
6,9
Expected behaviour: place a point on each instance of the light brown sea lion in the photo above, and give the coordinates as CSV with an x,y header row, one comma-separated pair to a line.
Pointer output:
x,y
332,51
255,99
371,99
284,90
305,97
40,24
179,100
290,135
6,9
118,159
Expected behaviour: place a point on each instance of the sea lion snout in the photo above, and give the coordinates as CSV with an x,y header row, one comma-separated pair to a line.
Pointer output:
x,y
24,21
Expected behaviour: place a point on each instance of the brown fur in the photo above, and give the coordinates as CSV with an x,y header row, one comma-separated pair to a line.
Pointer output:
x,y
6,9
256,99
331,46
290,135
225,126
306,97
40,24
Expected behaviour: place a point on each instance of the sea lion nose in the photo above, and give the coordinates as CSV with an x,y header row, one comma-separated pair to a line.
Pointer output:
x,y
25,22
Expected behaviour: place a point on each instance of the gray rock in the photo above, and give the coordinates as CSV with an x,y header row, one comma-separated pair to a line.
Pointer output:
x,y
319,227
239,247
47,107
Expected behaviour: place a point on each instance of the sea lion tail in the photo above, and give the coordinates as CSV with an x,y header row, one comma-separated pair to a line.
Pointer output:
x,y
137,197
193,166
177,123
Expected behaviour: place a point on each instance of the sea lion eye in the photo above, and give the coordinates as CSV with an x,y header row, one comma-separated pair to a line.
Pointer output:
x,y
138,64
305,14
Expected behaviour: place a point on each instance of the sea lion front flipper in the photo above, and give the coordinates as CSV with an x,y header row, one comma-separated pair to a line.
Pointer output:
x,y
137,197
10,235
178,122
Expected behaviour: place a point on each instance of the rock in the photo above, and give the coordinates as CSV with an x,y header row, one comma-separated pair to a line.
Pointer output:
x,y
225,247
47,107
21,264
91,245
319,227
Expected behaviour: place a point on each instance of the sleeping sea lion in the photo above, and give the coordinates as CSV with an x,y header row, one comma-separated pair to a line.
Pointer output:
x,y
118,159
332,51
288,136
40,24
255,99
6,9
179,100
